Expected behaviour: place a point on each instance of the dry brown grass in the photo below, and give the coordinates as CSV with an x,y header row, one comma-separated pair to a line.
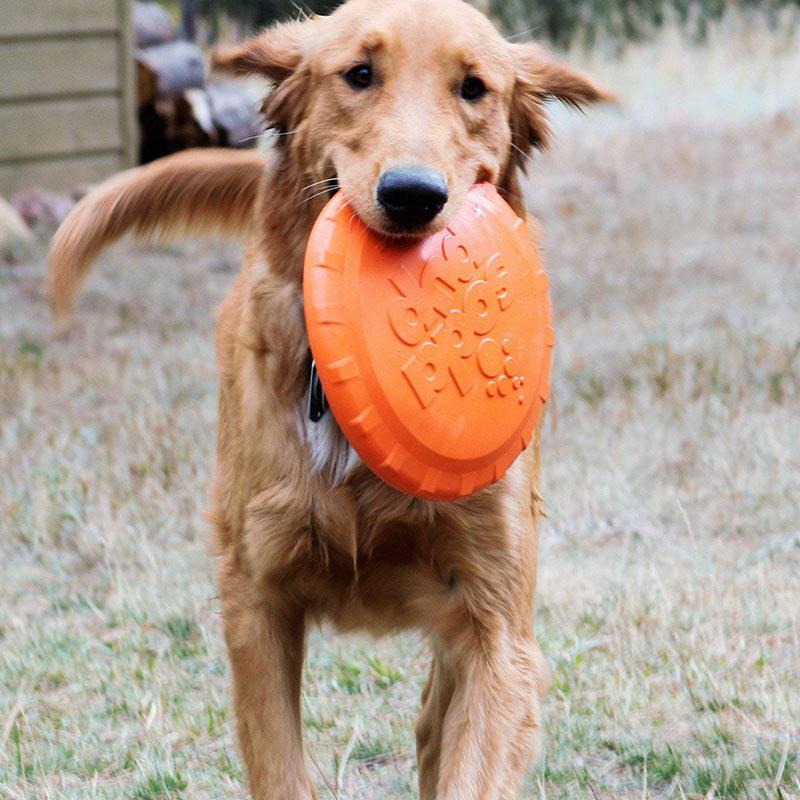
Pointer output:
x,y
671,559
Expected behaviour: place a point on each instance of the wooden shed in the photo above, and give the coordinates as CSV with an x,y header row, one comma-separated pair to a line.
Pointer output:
x,y
67,105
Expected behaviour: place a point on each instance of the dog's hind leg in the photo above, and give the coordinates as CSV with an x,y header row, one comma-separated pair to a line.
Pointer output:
x,y
266,646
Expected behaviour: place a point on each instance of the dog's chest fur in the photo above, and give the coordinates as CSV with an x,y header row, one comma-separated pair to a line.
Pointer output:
x,y
330,453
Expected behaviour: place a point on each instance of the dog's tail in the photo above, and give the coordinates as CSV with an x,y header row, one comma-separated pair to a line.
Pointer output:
x,y
197,191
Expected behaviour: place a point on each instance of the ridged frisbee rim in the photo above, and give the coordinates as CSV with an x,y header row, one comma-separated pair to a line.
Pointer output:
x,y
342,273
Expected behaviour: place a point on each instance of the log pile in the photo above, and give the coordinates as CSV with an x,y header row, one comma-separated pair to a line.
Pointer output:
x,y
178,107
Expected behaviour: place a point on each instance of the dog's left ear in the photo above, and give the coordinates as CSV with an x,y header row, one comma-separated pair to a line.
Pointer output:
x,y
277,53
540,79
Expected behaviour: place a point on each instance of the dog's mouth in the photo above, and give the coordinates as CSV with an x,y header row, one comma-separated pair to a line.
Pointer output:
x,y
385,227
412,228
393,231
398,209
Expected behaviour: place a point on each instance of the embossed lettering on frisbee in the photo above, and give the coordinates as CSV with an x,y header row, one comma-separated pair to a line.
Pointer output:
x,y
434,353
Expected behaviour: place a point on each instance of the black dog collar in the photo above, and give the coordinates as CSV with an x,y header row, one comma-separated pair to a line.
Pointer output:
x,y
317,402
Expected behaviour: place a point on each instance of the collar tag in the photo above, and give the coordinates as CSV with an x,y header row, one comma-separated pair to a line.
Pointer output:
x,y
317,402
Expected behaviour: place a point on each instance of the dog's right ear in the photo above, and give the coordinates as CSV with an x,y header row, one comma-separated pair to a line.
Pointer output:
x,y
278,54
275,53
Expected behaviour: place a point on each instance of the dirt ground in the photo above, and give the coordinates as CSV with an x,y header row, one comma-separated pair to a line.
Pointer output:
x,y
670,575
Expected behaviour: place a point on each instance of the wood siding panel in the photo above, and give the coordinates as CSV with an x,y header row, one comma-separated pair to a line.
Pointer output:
x,y
46,68
39,17
129,120
54,127
61,175
67,92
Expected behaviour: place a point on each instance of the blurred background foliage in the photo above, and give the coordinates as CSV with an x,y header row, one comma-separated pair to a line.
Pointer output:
x,y
560,21
564,21
257,13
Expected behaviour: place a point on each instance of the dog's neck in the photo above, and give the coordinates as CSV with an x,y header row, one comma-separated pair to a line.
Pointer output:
x,y
286,217
273,319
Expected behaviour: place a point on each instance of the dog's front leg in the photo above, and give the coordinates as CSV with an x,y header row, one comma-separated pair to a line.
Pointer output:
x,y
436,699
479,727
266,643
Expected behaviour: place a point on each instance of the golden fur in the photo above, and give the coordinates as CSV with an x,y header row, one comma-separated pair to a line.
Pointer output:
x,y
302,536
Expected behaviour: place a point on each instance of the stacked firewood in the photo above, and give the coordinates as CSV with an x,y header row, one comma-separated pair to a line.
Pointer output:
x,y
178,106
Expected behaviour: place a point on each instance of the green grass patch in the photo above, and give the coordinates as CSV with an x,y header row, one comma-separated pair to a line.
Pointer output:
x,y
161,786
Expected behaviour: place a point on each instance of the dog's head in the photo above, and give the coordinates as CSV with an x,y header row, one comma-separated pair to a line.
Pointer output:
x,y
406,104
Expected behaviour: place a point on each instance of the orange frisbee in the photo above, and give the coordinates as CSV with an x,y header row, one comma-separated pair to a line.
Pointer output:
x,y
434,353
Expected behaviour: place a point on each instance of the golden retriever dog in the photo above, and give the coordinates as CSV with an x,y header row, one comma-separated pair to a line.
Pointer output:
x,y
404,105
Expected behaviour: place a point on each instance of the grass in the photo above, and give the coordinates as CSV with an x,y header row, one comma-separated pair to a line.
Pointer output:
x,y
670,571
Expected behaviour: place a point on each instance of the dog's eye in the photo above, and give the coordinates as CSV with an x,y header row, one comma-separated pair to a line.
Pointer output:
x,y
359,77
473,88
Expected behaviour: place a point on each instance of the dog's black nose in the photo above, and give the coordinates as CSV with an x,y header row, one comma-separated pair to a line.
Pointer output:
x,y
412,196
